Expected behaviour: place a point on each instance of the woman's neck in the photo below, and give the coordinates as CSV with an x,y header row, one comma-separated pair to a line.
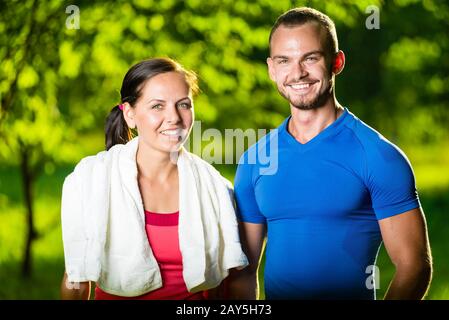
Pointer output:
x,y
154,165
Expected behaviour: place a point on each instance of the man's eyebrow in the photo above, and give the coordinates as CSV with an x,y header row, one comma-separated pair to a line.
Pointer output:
x,y
321,53
304,55
280,57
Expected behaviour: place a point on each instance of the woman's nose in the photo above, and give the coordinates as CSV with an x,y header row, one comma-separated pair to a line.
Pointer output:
x,y
172,115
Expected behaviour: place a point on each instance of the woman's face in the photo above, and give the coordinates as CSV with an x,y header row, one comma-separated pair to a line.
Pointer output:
x,y
163,114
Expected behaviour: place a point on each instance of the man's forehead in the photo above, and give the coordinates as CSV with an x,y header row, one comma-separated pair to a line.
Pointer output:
x,y
305,37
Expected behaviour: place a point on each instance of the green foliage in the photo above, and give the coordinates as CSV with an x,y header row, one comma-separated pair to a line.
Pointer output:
x,y
400,71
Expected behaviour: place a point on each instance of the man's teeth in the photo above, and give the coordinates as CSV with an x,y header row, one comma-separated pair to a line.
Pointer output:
x,y
300,86
176,132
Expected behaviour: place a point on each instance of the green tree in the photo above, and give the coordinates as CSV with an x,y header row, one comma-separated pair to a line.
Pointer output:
x,y
32,131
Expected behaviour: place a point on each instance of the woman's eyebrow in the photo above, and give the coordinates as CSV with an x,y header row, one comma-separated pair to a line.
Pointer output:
x,y
157,100
185,98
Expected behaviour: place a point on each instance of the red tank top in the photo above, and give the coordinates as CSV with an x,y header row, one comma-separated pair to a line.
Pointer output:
x,y
162,233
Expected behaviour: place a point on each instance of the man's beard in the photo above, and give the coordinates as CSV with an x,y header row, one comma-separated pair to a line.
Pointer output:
x,y
318,101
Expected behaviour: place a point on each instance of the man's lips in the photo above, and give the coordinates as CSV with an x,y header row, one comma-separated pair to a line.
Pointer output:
x,y
301,86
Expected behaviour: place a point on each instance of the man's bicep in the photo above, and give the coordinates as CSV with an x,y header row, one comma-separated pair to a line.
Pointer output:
x,y
405,237
390,181
245,196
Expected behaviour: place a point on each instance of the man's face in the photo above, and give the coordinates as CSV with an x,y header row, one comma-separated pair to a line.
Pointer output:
x,y
299,67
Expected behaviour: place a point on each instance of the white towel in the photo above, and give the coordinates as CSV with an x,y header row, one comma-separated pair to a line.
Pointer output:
x,y
103,224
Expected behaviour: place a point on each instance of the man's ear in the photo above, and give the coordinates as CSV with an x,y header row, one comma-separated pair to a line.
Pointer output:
x,y
129,114
339,62
271,72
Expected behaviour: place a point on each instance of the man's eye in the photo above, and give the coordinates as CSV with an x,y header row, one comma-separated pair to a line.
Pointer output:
x,y
311,59
282,61
157,106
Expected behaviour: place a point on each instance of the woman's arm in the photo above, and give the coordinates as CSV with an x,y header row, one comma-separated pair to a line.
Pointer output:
x,y
74,291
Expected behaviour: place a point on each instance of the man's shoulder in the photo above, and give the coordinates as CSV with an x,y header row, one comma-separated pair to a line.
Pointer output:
x,y
376,146
263,147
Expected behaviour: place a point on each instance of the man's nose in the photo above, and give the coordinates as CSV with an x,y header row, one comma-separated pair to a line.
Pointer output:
x,y
299,71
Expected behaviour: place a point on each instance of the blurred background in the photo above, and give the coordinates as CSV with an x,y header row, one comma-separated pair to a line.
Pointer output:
x,y
59,78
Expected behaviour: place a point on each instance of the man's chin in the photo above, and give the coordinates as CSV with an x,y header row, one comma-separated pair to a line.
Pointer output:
x,y
311,104
305,105
302,102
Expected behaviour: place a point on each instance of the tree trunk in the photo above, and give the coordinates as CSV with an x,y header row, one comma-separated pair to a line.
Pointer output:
x,y
28,183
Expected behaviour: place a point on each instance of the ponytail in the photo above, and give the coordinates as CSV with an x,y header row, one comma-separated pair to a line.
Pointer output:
x,y
116,130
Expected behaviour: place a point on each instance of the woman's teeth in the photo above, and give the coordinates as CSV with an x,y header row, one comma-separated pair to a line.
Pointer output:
x,y
176,132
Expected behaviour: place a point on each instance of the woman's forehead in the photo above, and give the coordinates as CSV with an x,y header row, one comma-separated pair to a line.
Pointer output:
x,y
166,84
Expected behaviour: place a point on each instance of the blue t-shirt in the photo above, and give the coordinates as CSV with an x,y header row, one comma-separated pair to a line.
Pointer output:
x,y
321,202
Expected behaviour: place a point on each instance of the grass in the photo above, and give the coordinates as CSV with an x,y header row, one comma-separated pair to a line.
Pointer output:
x,y
431,168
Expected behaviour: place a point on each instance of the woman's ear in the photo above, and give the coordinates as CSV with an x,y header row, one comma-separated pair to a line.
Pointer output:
x,y
129,114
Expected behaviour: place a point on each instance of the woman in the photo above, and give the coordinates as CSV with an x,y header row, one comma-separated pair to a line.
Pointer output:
x,y
146,219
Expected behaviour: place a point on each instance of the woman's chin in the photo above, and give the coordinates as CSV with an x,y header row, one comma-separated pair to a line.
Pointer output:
x,y
173,146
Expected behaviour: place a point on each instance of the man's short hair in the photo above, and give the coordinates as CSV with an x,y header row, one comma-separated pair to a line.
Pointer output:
x,y
299,16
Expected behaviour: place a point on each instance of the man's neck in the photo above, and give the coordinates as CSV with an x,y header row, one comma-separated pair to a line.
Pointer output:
x,y
304,125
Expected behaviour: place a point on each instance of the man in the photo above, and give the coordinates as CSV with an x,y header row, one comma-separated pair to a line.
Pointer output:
x,y
340,187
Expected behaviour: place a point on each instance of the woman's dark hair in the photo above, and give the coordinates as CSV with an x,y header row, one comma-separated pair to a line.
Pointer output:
x,y
116,129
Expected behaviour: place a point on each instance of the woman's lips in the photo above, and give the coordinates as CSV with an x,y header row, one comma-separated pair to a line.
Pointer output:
x,y
173,134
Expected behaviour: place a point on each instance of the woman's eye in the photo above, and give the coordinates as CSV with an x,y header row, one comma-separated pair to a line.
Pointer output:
x,y
184,105
157,107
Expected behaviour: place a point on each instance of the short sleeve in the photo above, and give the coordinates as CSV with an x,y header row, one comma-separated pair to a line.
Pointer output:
x,y
247,208
391,181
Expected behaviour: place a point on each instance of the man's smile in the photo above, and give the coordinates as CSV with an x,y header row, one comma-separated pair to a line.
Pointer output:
x,y
301,87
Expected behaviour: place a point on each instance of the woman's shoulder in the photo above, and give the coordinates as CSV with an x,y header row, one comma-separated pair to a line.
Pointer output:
x,y
91,160
102,156
202,164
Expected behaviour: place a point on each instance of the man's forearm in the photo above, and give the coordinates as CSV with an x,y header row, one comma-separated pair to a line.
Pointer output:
x,y
409,283
242,285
